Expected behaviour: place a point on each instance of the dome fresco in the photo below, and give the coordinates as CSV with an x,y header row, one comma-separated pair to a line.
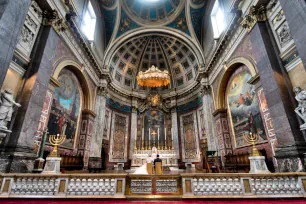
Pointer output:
x,y
153,12
164,52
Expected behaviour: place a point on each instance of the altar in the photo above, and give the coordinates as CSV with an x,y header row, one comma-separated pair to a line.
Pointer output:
x,y
168,157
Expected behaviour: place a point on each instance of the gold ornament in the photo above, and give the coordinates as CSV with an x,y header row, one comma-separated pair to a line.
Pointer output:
x,y
56,140
153,77
252,139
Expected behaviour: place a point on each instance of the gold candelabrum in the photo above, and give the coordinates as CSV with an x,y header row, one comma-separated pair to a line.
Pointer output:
x,y
252,139
56,140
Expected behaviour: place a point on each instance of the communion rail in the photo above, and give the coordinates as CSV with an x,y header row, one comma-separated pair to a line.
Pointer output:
x,y
180,185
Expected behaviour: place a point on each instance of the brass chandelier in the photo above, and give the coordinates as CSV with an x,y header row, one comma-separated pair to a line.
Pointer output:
x,y
153,77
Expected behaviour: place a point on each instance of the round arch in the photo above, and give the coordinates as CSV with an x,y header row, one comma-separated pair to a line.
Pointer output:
x,y
78,71
230,67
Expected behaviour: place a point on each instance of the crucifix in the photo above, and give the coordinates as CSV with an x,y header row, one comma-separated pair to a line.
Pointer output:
x,y
153,135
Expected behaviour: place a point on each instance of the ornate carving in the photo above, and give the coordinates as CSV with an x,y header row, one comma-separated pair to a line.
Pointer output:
x,y
300,96
102,91
253,17
284,34
271,5
205,89
141,186
52,18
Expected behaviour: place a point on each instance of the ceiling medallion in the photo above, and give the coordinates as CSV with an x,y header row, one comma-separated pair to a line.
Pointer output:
x,y
153,77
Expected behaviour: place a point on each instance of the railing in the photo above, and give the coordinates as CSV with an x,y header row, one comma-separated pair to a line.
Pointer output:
x,y
184,185
63,185
244,185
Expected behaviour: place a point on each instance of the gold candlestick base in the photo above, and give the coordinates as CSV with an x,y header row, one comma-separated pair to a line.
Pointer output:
x,y
56,140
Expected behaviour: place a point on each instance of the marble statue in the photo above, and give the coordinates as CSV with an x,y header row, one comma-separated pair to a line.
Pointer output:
x,y
6,108
300,96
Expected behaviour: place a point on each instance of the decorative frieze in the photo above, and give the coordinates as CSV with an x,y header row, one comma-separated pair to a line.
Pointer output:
x,y
166,186
141,186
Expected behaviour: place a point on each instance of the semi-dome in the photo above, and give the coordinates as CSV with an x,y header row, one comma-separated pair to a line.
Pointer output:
x,y
166,53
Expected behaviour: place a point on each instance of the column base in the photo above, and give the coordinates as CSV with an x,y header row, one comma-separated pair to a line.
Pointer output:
x,y
258,165
291,158
52,165
38,165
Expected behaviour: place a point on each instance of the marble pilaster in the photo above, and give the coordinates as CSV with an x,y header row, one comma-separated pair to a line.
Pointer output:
x,y
12,17
208,118
98,129
85,138
280,99
133,134
174,132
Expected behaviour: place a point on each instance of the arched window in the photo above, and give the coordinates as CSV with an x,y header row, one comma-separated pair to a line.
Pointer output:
x,y
66,108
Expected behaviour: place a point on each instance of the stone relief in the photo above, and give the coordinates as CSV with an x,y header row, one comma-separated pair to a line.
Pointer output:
x,y
300,96
284,34
7,104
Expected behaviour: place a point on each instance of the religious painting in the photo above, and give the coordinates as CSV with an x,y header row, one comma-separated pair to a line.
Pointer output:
x,y
244,109
119,139
66,108
189,137
154,123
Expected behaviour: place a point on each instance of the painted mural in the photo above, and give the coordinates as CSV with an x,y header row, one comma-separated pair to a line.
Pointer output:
x,y
154,121
66,107
243,108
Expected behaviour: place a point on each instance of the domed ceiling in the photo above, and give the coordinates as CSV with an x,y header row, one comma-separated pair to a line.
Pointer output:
x,y
165,52
154,12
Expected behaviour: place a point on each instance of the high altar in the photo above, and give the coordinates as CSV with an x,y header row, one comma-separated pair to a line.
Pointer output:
x,y
156,136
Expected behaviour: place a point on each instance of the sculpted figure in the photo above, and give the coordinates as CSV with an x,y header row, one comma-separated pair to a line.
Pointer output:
x,y
300,96
6,108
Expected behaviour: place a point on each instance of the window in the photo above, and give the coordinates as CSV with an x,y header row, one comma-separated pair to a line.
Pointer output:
x,y
89,22
218,20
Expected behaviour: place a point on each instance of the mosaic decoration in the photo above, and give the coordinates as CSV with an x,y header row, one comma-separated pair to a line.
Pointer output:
x,y
119,140
197,21
126,24
243,108
190,105
189,135
180,23
118,106
66,108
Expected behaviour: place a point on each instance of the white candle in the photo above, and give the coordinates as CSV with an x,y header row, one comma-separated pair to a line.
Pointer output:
x,y
149,134
158,133
165,134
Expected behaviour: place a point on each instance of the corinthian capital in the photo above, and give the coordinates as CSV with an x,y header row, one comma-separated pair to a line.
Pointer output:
x,y
205,89
102,91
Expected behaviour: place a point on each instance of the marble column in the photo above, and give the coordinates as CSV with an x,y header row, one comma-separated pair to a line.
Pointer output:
x,y
295,12
98,130
280,99
208,118
12,17
174,132
223,134
86,133
133,134
21,141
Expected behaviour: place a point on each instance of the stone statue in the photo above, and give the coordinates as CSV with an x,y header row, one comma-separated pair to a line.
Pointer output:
x,y
6,108
300,96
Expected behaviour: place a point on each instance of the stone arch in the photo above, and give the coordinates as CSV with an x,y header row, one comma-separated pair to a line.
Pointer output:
x,y
79,72
230,67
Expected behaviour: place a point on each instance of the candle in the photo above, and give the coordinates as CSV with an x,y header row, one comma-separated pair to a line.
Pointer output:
x,y
172,136
149,134
142,134
165,134
158,133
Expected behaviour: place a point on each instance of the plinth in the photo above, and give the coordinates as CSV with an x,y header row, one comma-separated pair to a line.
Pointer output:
x,y
258,165
52,165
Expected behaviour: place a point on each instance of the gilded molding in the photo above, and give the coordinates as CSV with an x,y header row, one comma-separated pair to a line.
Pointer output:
x,y
54,82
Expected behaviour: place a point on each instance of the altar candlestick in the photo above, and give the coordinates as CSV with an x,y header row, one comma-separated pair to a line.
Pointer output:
x,y
158,134
142,134
165,135
149,134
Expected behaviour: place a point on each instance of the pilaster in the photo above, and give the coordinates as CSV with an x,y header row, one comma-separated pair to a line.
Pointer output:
x,y
174,131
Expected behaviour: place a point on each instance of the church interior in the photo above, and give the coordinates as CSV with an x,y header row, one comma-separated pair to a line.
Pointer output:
x,y
152,99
